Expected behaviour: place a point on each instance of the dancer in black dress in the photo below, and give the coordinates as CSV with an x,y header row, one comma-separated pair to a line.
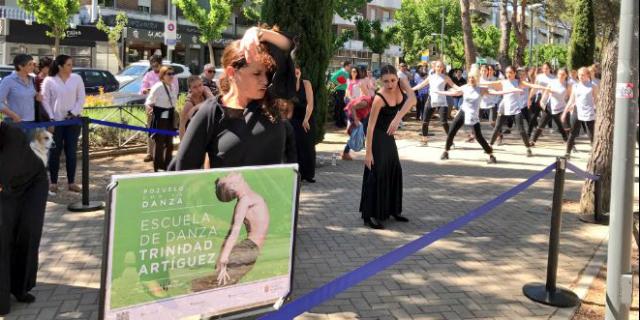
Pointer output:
x,y
242,127
382,182
301,122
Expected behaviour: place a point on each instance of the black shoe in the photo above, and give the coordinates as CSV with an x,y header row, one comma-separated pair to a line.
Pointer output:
x,y
444,156
25,298
400,218
309,180
567,156
506,131
492,160
529,153
373,223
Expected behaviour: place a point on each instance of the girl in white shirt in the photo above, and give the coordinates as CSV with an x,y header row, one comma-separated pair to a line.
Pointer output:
x,y
63,98
512,105
161,105
556,96
436,83
584,98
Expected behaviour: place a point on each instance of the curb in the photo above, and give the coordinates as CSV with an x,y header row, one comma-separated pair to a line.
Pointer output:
x,y
585,280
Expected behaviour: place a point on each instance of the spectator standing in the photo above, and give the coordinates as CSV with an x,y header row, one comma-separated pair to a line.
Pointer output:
x,y
63,99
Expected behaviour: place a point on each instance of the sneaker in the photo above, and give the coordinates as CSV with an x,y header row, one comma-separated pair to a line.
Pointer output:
x,y
506,131
470,139
492,160
148,158
499,142
53,189
444,156
74,188
567,156
529,153
346,156
425,141
574,149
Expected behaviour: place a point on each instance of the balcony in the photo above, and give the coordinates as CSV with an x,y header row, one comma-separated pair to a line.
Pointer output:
x,y
354,45
338,20
393,4
388,23
394,51
14,13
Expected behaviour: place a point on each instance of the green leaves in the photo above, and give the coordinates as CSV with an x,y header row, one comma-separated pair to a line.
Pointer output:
x,y
373,36
583,38
114,33
53,13
210,23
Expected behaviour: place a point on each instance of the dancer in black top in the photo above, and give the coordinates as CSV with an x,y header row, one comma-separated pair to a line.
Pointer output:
x,y
243,127
23,200
301,121
382,181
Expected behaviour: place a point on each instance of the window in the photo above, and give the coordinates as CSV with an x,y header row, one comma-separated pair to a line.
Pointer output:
x,y
94,78
372,14
106,3
144,9
386,16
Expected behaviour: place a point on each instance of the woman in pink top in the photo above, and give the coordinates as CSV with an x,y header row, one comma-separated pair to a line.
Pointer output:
x,y
63,99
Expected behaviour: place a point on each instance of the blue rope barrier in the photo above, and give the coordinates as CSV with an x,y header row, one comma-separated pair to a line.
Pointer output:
x,y
581,173
329,290
136,128
35,125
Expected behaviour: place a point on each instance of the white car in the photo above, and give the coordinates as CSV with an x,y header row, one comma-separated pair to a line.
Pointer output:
x,y
138,69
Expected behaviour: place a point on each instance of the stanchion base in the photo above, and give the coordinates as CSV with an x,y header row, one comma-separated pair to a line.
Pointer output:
x,y
590,218
562,298
92,206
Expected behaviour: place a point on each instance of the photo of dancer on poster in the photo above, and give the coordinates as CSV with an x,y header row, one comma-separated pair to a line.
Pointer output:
x,y
251,211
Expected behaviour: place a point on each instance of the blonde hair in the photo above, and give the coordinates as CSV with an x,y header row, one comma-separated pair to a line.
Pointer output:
x,y
585,71
163,71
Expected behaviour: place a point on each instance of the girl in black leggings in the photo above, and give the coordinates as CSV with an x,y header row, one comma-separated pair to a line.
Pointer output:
x,y
436,83
584,99
469,113
557,94
512,102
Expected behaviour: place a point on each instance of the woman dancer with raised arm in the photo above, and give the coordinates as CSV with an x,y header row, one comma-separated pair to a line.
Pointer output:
x,y
584,98
557,94
469,113
382,181
436,82
512,105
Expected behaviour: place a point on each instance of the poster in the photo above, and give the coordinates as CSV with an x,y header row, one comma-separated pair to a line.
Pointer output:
x,y
207,242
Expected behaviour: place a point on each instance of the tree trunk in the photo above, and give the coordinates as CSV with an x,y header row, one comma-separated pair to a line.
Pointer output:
x,y
505,33
602,150
469,46
114,47
212,56
521,35
56,46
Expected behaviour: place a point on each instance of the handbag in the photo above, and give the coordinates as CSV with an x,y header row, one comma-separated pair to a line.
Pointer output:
x,y
176,116
356,139
40,114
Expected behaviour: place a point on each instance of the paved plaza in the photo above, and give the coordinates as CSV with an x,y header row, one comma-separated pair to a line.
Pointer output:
x,y
476,273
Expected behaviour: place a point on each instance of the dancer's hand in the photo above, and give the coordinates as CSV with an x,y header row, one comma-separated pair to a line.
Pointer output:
x,y
306,125
223,276
393,126
368,160
249,44
149,109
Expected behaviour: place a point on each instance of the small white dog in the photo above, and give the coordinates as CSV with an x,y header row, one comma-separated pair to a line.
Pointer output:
x,y
41,143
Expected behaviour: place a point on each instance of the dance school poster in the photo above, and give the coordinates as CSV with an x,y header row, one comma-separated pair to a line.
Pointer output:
x,y
198,243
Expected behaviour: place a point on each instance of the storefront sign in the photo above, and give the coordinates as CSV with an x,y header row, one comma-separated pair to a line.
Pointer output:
x,y
198,243
73,33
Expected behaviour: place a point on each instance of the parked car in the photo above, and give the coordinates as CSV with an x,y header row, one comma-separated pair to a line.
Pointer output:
x,y
95,78
129,94
6,70
138,69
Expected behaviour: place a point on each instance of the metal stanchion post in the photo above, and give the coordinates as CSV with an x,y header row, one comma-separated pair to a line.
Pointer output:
x,y
549,293
598,216
85,205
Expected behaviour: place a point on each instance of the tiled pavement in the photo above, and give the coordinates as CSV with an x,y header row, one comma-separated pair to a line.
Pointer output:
x,y
476,273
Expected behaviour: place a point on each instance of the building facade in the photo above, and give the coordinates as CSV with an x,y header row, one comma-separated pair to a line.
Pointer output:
x,y
355,50
143,37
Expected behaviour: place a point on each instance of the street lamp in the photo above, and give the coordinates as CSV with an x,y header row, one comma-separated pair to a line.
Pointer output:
x,y
531,7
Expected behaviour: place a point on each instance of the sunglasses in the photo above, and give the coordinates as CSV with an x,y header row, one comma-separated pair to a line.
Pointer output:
x,y
210,71
171,74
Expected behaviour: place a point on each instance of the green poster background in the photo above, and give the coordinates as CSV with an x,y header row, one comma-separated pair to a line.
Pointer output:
x,y
181,211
